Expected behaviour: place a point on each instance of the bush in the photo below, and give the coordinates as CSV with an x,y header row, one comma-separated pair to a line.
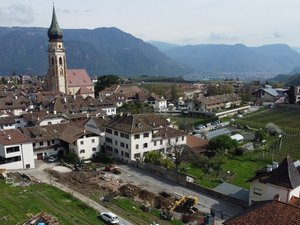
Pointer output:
x,y
104,158
70,157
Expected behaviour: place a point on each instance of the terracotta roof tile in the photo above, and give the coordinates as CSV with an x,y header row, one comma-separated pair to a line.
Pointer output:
x,y
78,78
10,137
267,213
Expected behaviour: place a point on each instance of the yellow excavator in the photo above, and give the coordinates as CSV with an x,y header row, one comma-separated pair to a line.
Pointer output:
x,y
185,202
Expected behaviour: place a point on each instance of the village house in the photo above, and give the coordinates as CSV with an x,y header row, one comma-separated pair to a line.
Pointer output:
x,y
16,150
130,137
214,103
276,182
268,95
159,103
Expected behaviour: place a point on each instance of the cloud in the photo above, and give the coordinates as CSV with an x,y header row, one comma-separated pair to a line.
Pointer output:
x,y
220,37
74,11
17,14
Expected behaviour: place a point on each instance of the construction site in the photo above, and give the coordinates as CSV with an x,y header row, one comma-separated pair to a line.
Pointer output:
x,y
108,183
109,186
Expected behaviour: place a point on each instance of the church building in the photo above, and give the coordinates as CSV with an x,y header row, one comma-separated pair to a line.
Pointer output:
x,y
59,78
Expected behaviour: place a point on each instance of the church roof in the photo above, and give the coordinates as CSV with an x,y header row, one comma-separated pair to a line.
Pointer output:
x,y
286,175
54,31
78,78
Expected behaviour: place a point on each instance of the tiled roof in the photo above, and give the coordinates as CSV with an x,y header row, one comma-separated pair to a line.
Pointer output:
x,y
137,123
8,119
78,78
196,144
10,137
168,132
295,201
286,175
267,213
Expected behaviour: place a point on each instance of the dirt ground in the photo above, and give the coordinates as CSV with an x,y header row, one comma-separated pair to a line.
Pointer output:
x,y
106,185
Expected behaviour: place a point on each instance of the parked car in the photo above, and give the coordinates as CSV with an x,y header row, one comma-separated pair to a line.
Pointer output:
x,y
52,158
110,217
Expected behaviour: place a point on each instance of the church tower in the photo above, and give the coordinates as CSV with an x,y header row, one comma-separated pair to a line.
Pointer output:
x,y
56,77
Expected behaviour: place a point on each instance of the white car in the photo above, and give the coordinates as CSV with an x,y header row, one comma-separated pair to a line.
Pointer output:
x,y
52,158
110,217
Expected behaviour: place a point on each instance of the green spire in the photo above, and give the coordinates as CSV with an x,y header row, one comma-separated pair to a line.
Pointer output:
x,y
54,31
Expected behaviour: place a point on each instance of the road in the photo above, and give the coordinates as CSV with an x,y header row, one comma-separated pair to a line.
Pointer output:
x,y
44,177
157,184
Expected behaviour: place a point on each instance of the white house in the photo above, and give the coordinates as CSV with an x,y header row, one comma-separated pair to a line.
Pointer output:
x,y
11,122
130,137
158,102
16,150
276,183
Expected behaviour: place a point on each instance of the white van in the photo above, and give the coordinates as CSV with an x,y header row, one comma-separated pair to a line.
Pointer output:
x,y
110,217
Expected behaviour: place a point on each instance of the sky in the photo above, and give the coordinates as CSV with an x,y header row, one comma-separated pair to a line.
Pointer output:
x,y
251,22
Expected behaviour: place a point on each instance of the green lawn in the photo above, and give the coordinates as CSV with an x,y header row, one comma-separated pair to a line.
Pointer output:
x,y
17,202
241,167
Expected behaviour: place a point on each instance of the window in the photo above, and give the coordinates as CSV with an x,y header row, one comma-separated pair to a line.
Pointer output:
x,y
136,136
33,144
94,149
52,141
116,151
122,135
116,133
127,154
12,149
127,136
93,140
48,143
137,155
109,140
116,142
49,123
161,142
60,61
82,151
122,144
182,138
169,141
41,143
177,139
146,135
108,131
81,142
136,146
122,153
127,146
145,145
257,191
154,143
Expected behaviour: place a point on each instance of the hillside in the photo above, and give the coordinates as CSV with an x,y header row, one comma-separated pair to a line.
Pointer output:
x,y
99,51
238,58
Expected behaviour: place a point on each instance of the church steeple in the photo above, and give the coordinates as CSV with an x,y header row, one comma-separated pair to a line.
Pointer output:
x,y
54,31
56,77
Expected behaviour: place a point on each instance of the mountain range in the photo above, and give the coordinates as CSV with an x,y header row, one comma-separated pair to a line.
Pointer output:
x,y
111,51
276,58
99,51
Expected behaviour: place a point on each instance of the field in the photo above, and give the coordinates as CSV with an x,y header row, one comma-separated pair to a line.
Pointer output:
x,y
16,203
288,119
241,169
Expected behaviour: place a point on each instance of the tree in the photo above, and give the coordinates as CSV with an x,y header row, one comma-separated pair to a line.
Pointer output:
x,y
221,144
291,95
153,157
273,129
174,93
177,151
260,135
105,81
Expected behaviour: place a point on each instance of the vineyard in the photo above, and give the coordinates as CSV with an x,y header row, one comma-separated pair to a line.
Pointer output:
x,y
288,119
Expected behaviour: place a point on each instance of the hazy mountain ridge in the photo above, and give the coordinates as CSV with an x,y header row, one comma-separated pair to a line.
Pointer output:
x,y
275,58
99,51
